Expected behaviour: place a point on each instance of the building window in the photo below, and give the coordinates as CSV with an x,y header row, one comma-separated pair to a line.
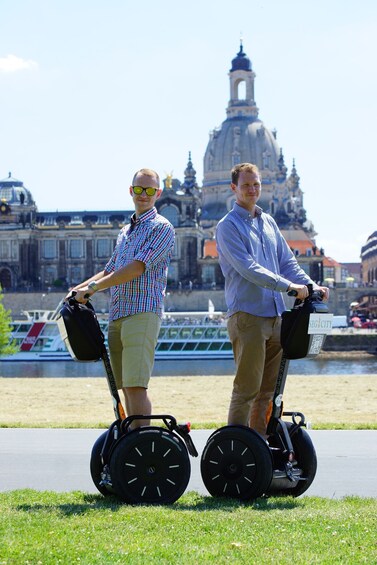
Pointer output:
x,y
76,249
4,249
103,248
9,250
76,275
49,249
172,273
50,275
171,213
309,252
208,274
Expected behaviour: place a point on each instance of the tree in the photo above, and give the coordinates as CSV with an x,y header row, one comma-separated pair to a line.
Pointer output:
x,y
7,347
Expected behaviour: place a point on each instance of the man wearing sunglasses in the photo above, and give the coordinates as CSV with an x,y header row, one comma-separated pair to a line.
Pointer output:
x,y
136,275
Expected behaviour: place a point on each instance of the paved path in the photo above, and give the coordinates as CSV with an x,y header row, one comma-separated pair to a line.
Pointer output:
x,y
58,460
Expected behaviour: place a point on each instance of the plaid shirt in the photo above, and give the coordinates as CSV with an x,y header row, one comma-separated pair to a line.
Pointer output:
x,y
150,239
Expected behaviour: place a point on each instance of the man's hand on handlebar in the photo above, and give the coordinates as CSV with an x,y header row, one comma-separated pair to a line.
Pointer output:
x,y
300,291
325,291
81,295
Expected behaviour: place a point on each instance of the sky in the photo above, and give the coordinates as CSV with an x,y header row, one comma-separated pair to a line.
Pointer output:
x,y
91,91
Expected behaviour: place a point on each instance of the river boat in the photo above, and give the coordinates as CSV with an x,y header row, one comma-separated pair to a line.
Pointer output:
x,y
183,335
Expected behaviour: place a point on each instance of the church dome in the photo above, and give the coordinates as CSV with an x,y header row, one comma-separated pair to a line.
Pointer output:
x,y
238,141
13,192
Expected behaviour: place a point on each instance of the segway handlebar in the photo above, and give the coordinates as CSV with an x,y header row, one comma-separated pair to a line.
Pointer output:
x,y
314,295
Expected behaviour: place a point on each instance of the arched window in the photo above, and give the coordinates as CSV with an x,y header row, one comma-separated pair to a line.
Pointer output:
x,y
241,90
171,213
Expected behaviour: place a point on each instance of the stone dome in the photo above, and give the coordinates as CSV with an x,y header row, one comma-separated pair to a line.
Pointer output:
x,y
239,141
13,192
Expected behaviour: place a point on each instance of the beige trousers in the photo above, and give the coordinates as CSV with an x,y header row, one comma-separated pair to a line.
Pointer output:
x,y
257,354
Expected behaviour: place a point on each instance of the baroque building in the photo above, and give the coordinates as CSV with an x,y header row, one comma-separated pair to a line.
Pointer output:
x,y
40,249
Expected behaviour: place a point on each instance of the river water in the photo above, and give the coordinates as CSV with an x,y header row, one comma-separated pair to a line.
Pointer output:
x,y
364,365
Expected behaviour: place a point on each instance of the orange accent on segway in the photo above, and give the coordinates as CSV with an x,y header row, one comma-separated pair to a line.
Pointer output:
x,y
268,413
121,411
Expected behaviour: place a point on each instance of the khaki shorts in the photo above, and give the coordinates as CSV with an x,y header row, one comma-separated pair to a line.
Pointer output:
x,y
132,341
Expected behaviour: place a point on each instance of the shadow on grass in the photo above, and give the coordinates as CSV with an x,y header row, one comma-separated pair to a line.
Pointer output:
x,y
191,501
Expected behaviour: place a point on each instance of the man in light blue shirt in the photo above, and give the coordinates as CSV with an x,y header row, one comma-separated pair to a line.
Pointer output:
x,y
258,267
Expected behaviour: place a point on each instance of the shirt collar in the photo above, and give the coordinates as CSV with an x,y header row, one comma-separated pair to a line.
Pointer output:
x,y
150,215
244,214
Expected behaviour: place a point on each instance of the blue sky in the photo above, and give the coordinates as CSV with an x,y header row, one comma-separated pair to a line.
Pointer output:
x,y
90,91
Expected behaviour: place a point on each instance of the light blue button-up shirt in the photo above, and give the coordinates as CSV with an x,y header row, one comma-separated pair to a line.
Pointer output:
x,y
256,262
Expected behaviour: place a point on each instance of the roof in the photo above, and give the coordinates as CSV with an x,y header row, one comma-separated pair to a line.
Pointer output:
x,y
210,249
330,262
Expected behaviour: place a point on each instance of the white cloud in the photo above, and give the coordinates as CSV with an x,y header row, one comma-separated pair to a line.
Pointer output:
x,y
12,64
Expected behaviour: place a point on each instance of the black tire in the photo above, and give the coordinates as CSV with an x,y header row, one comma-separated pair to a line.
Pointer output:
x,y
305,456
96,466
150,466
236,463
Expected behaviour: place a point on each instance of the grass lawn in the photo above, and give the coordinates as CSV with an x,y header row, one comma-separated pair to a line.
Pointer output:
x,y
50,528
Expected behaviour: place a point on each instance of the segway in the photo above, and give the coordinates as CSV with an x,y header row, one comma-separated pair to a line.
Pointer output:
x,y
147,465
237,462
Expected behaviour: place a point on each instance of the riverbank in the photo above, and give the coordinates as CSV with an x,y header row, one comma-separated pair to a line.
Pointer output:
x,y
71,402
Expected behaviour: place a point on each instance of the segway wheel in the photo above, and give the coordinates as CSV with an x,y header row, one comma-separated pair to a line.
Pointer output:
x,y
96,466
236,463
150,465
306,458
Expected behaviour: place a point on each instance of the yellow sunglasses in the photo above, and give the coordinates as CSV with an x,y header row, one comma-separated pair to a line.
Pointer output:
x,y
149,191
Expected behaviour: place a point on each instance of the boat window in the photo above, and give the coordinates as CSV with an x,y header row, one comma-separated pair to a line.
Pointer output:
x,y
198,332
163,346
227,346
176,346
172,332
190,346
50,329
223,333
214,346
185,333
202,346
162,333
211,332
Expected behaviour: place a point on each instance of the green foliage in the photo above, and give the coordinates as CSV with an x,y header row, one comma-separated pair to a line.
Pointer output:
x,y
6,347
49,528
